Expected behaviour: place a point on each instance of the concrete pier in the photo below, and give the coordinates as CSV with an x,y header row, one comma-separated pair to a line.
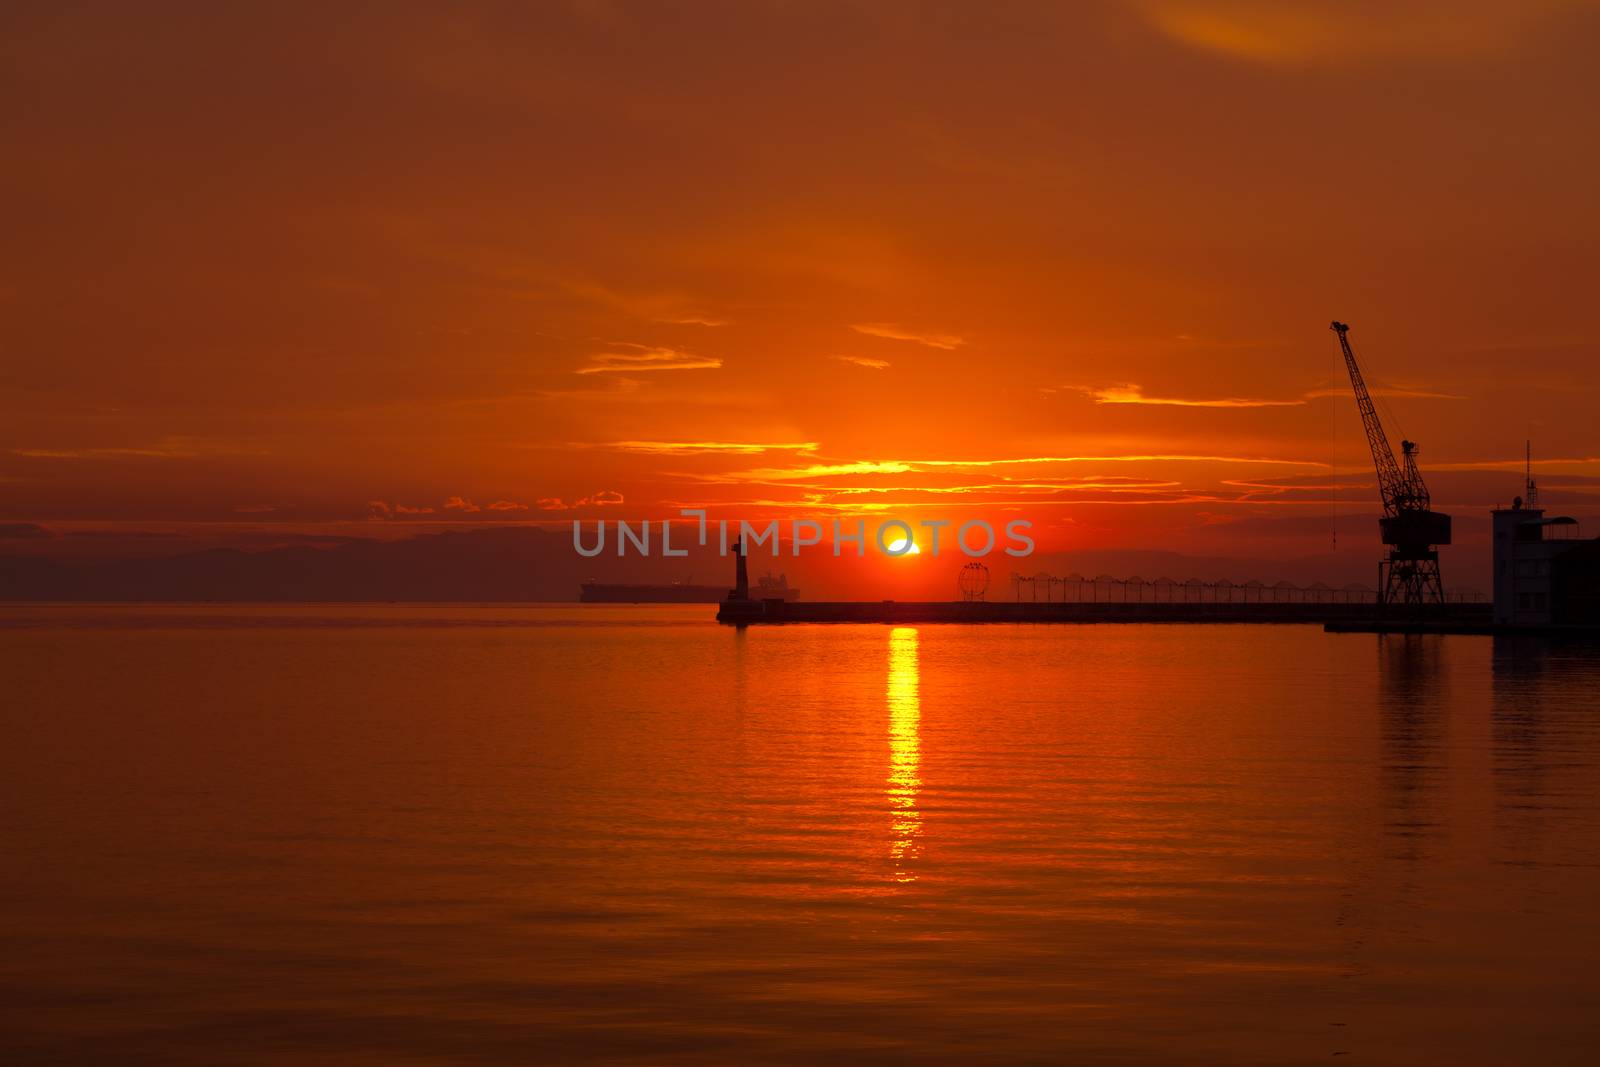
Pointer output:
x,y
1485,627
752,612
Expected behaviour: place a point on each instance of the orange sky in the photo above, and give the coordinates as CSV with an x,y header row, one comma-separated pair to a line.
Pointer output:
x,y
310,267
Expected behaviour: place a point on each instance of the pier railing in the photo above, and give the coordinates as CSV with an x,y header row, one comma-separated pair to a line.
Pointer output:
x,y
1076,589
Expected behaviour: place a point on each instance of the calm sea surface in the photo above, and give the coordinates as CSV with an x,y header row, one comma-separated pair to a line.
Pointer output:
x,y
595,835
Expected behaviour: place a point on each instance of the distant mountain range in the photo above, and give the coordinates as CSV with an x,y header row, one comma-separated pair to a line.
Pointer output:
x,y
532,564
489,565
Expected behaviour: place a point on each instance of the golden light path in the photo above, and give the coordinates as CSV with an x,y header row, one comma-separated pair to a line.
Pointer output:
x,y
905,750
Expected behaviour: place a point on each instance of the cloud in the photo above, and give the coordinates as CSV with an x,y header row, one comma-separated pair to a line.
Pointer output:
x,y
646,358
829,470
458,505
604,498
1048,486
1133,394
253,509
1513,464
1132,457
896,332
175,447
102,453
381,509
699,448
878,499
789,475
877,485
863,361
1322,31
1406,391
693,320
672,309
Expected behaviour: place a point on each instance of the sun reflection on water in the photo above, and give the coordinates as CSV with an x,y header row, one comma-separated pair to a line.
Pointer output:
x,y
905,751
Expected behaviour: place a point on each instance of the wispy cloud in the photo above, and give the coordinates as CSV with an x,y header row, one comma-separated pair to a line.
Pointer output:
x,y
1323,31
877,499
863,361
827,470
1011,489
895,332
452,506
692,320
1513,464
1134,394
670,308
382,509
166,448
878,485
1130,457
646,358
699,448
604,498
1405,391
102,453
799,474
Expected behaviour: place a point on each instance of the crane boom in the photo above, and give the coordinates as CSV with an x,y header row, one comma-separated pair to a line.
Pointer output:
x,y
1390,480
1402,490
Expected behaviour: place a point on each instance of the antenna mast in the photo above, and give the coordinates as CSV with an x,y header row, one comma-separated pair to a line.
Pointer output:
x,y
1530,490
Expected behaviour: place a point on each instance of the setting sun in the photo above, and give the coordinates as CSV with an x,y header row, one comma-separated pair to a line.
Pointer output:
x,y
898,547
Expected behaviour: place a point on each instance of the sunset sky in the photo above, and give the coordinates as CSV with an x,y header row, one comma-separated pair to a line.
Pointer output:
x,y
385,267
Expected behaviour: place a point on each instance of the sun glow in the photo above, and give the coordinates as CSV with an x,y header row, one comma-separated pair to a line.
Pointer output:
x,y
897,547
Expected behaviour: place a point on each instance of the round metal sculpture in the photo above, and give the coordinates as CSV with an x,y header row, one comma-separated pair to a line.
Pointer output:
x,y
973,581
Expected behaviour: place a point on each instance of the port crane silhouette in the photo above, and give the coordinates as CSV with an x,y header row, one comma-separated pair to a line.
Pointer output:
x,y
1409,526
